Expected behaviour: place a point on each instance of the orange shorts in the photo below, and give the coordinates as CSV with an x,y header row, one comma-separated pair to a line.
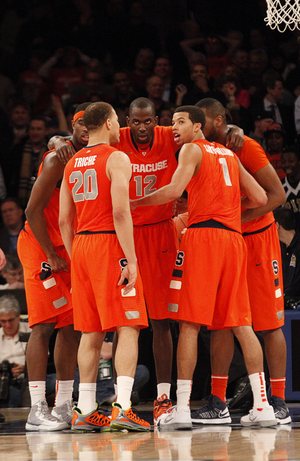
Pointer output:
x,y
265,279
209,285
47,293
98,305
156,247
61,320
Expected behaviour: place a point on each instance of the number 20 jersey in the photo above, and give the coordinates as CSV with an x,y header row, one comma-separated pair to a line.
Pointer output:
x,y
151,170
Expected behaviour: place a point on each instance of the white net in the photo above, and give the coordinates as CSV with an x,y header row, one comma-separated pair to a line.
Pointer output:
x,y
282,14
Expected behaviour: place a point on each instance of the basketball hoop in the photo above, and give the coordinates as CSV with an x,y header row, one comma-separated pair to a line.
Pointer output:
x,y
283,14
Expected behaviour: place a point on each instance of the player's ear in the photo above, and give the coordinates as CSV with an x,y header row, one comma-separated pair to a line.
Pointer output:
x,y
108,123
218,120
127,120
156,120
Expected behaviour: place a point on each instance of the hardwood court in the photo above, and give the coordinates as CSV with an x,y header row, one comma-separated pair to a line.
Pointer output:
x,y
209,443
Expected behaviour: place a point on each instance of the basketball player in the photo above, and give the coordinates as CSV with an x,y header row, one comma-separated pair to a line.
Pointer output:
x,y
212,176
95,190
47,285
264,272
151,150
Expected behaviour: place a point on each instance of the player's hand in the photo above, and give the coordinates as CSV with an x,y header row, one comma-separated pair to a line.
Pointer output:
x,y
234,138
58,264
63,149
17,369
2,259
130,273
179,206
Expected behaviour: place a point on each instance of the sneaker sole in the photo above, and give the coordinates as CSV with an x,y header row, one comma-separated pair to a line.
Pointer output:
x,y
212,421
45,428
129,426
266,423
175,427
90,429
287,420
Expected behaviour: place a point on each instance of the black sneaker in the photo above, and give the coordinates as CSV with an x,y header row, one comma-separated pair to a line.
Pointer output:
x,y
242,400
281,410
215,411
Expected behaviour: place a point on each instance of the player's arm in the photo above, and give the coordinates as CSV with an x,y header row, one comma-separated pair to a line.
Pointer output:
x,y
67,213
119,171
40,195
255,195
189,162
63,149
270,182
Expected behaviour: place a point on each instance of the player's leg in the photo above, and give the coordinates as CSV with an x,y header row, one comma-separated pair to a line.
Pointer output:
x,y
86,416
65,359
262,413
125,363
275,349
187,349
39,417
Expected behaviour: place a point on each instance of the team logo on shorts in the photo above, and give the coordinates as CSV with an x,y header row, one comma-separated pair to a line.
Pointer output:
x,y
179,259
45,267
123,263
275,266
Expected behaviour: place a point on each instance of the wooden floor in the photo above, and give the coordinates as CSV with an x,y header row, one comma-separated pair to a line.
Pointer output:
x,y
209,443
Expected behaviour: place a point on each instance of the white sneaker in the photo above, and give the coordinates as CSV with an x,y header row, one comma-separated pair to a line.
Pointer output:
x,y
175,420
40,419
63,412
265,417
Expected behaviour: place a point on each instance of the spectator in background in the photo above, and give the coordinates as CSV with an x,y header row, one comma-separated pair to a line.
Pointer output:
x,y
32,155
290,161
125,93
163,68
290,253
12,272
262,120
19,119
13,221
253,79
165,118
143,66
275,140
12,348
155,90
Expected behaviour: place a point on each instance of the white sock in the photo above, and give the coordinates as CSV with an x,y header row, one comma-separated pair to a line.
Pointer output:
x,y
258,386
87,397
184,388
64,391
116,390
163,388
37,390
125,384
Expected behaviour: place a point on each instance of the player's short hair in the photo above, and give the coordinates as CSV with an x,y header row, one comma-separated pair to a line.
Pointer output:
x,y
142,103
196,115
96,114
81,107
285,217
9,303
213,108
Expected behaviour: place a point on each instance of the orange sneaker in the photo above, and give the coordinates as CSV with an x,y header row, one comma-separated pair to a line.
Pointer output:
x,y
93,421
161,406
126,419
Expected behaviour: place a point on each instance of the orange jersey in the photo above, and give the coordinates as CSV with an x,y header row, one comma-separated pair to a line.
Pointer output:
x,y
90,194
151,170
51,213
253,158
214,193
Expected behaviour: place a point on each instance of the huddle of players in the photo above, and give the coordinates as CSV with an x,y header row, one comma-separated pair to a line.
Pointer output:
x,y
96,189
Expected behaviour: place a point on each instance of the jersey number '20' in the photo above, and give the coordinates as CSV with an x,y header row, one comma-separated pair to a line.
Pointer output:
x,y
90,187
